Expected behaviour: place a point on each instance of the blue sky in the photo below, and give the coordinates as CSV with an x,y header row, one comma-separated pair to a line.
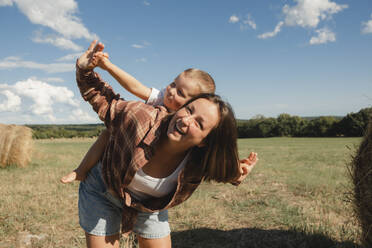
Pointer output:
x,y
301,57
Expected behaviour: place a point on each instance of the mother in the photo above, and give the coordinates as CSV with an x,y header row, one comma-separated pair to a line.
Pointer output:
x,y
153,160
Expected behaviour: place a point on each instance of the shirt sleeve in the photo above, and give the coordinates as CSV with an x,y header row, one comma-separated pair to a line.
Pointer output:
x,y
100,95
130,119
156,97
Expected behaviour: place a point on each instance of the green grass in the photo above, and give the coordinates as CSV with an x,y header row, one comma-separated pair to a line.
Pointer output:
x,y
295,197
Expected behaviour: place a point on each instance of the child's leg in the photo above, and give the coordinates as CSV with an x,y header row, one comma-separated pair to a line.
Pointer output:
x,y
90,159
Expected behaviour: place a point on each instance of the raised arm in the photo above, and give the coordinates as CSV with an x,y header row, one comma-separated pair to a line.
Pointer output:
x,y
119,115
126,80
94,90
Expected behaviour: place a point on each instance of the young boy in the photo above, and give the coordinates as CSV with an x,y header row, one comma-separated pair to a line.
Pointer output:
x,y
186,85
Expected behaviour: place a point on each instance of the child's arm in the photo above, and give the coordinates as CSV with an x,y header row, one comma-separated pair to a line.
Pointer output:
x,y
125,79
90,159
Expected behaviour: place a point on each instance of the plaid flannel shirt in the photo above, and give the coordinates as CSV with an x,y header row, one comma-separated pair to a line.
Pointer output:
x,y
134,130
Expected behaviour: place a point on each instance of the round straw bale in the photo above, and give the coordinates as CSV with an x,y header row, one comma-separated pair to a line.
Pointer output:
x,y
361,172
15,145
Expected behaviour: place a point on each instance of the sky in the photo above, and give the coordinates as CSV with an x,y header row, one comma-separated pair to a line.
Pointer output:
x,y
301,57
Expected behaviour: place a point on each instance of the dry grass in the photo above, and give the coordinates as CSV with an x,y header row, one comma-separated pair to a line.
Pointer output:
x,y
361,172
15,145
293,198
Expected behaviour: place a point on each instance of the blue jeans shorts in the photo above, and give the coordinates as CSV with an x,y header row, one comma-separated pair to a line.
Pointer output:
x,y
100,211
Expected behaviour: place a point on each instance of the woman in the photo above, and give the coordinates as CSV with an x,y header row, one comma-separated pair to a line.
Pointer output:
x,y
153,160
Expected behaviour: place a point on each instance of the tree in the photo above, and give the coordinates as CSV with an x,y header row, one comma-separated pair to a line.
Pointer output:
x,y
289,125
320,127
354,124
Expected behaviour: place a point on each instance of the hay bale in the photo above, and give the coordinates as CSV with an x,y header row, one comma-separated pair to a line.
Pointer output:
x,y
361,172
15,145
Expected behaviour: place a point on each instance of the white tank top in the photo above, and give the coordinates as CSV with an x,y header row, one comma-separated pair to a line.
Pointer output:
x,y
144,186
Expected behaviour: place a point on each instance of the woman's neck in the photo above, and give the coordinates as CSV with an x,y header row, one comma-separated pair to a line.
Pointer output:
x,y
165,160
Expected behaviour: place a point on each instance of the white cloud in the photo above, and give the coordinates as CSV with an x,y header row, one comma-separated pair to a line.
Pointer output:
x,y
273,33
249,21
244,23
70,57
58,15
324,36
16,62
308,13
137,46
146,3
12,102
6,3
78,115
54,80
48,79
60,42
44,95
367,27
41,99
35,101
142,45
233,19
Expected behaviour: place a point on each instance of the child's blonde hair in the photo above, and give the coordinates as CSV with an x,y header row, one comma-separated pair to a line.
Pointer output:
x,y
205,81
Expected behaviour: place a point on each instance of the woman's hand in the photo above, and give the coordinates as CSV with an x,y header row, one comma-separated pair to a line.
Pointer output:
x,y
246,166
87,60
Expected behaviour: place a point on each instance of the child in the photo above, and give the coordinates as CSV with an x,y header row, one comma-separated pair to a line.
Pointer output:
x,y
186,85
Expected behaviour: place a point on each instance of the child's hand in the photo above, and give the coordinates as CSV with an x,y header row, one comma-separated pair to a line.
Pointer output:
x,y
246,166
102,59
86,60
72,176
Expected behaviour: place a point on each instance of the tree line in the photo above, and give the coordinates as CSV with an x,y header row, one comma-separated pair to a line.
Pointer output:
x,y
65,131
351,125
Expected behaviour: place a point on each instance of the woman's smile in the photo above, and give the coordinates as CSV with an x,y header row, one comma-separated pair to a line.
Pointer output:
x,y
180,127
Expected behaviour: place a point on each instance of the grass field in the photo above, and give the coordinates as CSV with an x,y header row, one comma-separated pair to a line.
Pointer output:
x,y
295,197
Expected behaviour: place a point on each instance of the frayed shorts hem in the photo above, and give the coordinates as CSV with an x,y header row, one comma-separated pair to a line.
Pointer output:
x,y
97,233
142,235
152,236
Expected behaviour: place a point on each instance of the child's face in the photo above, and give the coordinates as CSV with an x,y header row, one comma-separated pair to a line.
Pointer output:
x,y
180,91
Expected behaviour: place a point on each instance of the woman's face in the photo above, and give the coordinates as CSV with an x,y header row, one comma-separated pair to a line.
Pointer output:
x,y
192,123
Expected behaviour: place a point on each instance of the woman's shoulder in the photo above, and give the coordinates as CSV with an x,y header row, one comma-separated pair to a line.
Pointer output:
x,y
140,112
141,108
138,118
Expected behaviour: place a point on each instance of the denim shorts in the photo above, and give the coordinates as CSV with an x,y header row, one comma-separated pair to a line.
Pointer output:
x,y
100,211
